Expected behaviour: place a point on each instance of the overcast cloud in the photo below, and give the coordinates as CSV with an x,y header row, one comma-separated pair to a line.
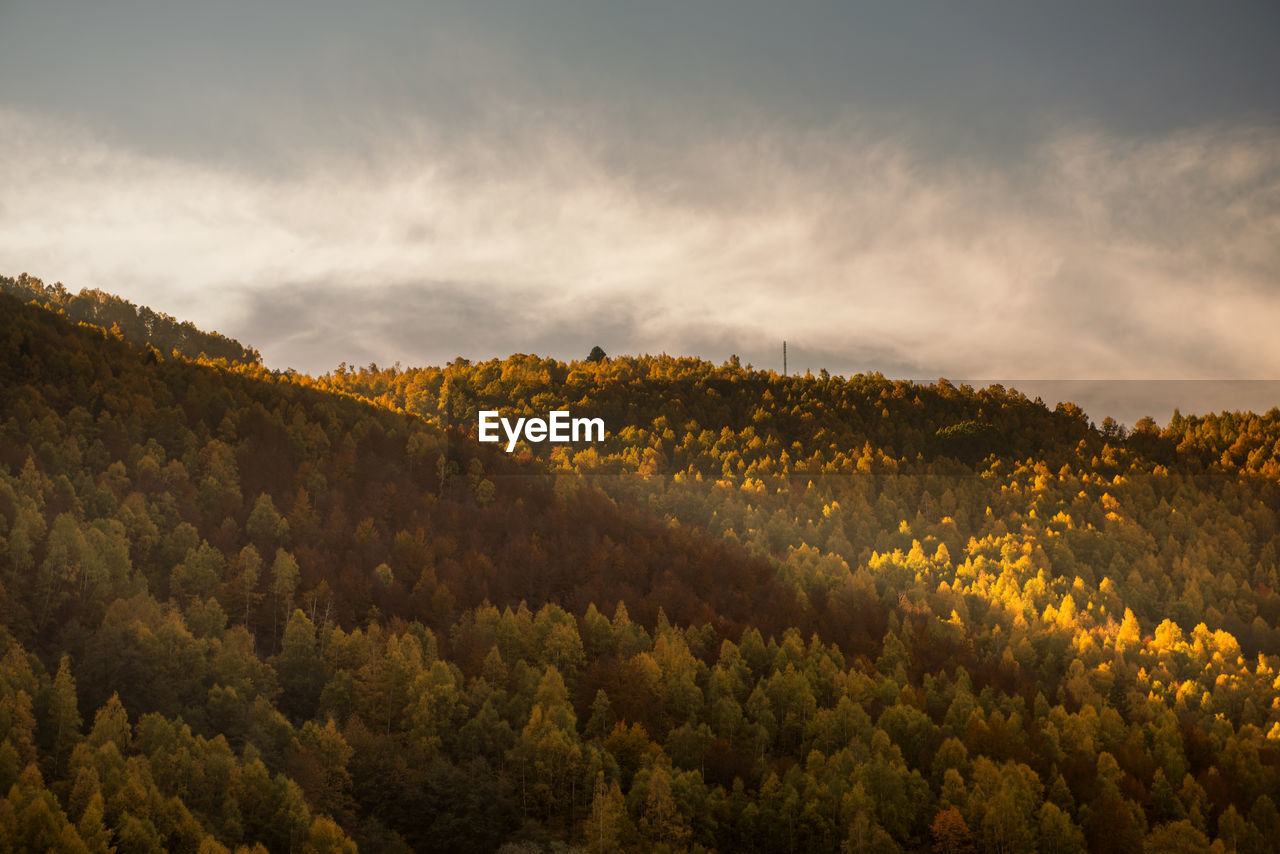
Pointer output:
x,y
993,193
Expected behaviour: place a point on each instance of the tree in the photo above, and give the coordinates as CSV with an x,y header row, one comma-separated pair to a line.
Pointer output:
x,y
64,715
40,824
284,583
320,767
65,563
597,354
265,523
92,827
199,575
326,837
1179,837
608,821
548,752
300,669
950,833
249,564
111,724
661,823
1058,833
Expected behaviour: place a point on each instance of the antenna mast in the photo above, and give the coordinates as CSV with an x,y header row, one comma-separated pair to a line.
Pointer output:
x,y
784,358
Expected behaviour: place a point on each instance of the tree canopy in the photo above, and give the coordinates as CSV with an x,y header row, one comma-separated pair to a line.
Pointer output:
x,y
246,610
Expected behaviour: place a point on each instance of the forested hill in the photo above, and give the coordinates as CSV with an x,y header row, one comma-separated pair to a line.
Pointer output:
x,y
668,415
137,325
766,614
245,457
855,468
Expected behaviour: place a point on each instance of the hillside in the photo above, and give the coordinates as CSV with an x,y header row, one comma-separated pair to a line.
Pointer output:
x,y
139,325
768,613
1177,523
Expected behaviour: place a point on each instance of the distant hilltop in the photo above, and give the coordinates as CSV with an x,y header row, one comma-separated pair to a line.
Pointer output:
x,y
138,325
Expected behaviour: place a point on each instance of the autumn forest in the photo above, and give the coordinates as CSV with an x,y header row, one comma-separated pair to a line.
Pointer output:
x,y
251,610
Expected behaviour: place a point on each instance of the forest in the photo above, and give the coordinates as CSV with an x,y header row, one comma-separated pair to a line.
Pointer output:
x,y
250,610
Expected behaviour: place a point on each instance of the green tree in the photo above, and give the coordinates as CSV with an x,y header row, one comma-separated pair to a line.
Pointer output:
x,y
605,827
660,823
265,524
1179,837
63,716
299,667
200,574
284,585
1058,833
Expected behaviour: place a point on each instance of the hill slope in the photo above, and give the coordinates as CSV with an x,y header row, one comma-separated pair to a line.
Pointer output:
x,y
766,614
138,325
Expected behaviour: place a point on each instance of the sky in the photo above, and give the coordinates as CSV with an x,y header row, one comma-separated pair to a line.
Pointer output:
x,y
1025,193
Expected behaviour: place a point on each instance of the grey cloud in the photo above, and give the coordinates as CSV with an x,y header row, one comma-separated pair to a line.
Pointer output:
x,y
314,325
848,246
252,84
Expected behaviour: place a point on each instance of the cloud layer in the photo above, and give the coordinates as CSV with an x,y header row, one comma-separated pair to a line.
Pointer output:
x,y
1093,257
